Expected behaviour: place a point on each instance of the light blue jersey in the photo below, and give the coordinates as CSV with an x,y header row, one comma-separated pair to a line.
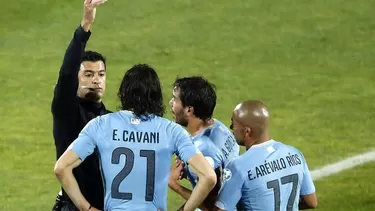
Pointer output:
x,y
217,144
269,176
135,157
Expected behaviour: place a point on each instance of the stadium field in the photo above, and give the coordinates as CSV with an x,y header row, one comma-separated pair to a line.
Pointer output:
x,y
311,62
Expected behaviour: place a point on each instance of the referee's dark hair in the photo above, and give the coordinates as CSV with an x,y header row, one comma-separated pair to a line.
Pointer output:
x,y
93,56
140,91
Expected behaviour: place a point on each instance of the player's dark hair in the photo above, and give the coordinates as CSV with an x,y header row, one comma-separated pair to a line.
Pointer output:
x,y
198,93
140,91
93,56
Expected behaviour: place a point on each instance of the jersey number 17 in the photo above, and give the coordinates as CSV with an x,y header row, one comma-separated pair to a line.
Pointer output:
x,y
275,185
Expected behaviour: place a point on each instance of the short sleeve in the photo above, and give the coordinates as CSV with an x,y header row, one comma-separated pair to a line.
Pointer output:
x,y
208,155
231,191
183,144
86,141
307,185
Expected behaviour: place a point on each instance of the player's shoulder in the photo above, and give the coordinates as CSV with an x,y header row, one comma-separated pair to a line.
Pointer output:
x,y
280,144
168,123
220,127
95,123
235,166
164,120
218,131
204,144
118,118
107,117
256,153
170,126
288,148
239,161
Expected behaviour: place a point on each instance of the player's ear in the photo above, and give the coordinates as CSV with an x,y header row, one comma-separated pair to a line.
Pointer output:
x,y
190,110
248,131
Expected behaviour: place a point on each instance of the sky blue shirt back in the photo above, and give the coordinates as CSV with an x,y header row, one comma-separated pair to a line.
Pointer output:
x,y
269,176
135,156
217,144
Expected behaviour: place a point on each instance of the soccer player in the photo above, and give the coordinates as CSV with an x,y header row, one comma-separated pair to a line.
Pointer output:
x,y
193,104
269,175
77,100
135,146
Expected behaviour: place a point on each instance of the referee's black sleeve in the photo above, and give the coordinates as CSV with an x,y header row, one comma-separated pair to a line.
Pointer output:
x,y
64,101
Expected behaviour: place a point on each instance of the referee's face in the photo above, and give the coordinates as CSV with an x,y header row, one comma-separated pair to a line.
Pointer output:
x,y
92,78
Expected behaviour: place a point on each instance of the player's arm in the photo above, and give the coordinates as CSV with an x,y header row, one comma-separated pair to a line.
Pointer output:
x,y
184,192
209,203
308,199
65,92
190,154
64,173
177,187
174,177
77,152
207,181
231,191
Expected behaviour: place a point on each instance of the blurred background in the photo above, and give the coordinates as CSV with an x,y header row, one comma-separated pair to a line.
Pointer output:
x,y
311,62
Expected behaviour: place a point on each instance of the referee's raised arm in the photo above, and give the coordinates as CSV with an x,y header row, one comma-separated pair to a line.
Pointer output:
x,y
64,100
77,100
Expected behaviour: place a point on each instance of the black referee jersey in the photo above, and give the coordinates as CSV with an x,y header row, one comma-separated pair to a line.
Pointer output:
x,y
71,114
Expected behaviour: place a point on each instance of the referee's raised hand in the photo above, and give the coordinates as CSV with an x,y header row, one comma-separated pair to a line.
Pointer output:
x,y
89,12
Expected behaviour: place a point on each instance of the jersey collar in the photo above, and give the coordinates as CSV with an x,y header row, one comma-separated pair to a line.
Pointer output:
x,y
263,144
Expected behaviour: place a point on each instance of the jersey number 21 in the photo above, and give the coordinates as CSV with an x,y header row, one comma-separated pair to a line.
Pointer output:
x,y
150,176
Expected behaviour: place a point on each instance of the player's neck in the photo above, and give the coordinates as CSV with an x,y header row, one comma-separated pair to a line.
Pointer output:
x,y
196,125
258,140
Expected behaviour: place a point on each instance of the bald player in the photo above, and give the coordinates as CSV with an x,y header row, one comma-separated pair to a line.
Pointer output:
x,y
270,175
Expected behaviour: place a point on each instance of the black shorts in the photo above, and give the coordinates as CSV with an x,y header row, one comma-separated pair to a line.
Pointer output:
x,y
61,205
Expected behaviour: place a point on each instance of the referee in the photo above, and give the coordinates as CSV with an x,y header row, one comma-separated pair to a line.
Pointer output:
x,y
77,100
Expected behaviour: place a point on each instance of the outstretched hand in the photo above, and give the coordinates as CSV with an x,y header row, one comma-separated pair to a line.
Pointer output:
x,y
92,4
177,170
89,12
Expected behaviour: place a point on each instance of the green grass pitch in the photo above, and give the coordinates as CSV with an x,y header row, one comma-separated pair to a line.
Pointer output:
x,y
311,62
